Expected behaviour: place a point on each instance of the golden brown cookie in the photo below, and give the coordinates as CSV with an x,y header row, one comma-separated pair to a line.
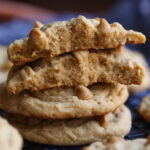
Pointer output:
x,y
144,108
10,139
66,36
73,131
5,64
83,67
139,57
118,143
61,103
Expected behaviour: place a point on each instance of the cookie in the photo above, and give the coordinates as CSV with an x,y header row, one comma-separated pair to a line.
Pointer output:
x,y
73,131
139,57
83,67
61,103
118,143
10,139
76,34
5,64
144,106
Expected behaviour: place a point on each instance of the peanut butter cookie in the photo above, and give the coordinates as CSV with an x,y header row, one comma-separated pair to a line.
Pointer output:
x,y
139,57
144,108
5,64
76,34
10,139
118,143
62,103
74,131
81,67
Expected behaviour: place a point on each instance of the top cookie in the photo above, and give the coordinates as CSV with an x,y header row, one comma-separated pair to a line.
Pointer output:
x,y
10,139
118,143
66,36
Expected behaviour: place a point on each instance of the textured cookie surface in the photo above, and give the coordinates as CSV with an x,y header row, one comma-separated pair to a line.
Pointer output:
x,y
10,139
74,131
5,64
118,143
66,36
144,108
59,103
83,67
139,57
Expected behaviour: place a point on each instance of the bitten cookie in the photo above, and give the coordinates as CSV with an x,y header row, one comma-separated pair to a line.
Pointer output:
x,y
61,103
65,36
10,139
118,143
144,108
83,67
73,131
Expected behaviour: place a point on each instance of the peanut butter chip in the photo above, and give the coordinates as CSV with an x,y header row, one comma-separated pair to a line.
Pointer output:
x,y
37,39
6,66
148,140
83,92
26,73
81,55
104,26
37,32
38,24
23,74
103,120
113,139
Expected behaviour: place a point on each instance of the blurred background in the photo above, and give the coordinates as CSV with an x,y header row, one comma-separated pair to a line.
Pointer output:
x,y
17,16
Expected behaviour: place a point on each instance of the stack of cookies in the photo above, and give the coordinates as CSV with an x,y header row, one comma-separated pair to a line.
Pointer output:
x,y
68,82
